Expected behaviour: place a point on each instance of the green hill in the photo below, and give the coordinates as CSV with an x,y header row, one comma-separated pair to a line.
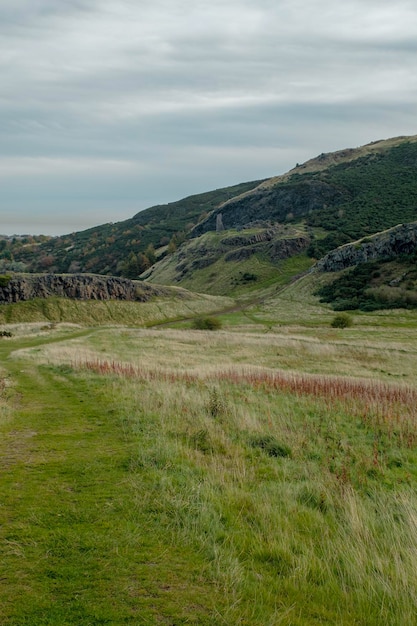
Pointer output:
x,y
235,262
116,248
243,237
357,193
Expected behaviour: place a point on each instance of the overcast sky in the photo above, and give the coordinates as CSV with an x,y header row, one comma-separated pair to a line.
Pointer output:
x,y
108,107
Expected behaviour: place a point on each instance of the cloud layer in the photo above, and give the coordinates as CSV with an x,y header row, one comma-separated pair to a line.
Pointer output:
x,y
108,106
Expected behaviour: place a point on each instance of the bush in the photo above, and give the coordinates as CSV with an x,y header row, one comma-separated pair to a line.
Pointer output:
x,y
217,404
270,446
207,323
342,321
4,280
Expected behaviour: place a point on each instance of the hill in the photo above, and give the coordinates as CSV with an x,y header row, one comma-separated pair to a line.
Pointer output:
x,y
235,262
347,194
91,300
243,237
115,248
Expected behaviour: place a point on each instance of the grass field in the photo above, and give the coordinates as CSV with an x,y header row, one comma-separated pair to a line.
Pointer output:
x,y
263,474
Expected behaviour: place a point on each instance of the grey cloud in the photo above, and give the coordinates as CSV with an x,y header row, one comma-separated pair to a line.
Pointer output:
x,y
196,94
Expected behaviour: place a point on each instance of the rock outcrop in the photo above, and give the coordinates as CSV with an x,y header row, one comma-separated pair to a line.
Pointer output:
x,y
25,287
276,250
274,204
399,240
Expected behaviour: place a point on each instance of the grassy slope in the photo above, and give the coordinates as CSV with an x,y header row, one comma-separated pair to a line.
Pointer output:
x,y
112,311
225,277
152,499
375,185
102,248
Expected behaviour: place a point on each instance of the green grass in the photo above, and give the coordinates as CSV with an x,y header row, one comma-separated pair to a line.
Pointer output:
x,y
92,313
77,546
223,277
176,476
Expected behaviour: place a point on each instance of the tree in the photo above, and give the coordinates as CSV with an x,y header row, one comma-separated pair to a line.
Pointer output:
x,y
172,246
143,263
150,254
130,268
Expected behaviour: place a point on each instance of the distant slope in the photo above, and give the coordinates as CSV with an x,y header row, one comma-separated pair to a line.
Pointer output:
x,y
379,272
232,262
395,242
341,197
115,249
333,199
348,194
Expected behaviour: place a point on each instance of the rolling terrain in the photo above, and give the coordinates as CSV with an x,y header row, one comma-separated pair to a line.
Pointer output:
x,y
260,473
326,202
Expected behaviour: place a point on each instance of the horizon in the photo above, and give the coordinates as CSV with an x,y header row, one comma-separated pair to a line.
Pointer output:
x,y
110,108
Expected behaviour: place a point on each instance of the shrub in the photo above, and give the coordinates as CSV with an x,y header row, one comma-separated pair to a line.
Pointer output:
x,y
248,277
207,323
4,280
217,403
270,446
342,321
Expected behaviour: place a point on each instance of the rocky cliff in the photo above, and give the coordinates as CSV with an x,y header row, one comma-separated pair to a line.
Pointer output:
x,y
276,204
24,287
399,240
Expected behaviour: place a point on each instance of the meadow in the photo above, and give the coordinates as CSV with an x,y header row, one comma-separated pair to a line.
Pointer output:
x,y
263,474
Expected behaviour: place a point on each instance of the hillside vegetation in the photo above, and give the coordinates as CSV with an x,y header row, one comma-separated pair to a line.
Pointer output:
x,y
235,263
368,193
115,248
332,199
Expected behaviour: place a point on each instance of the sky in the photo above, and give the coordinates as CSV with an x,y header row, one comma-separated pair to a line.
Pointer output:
x,y
108,107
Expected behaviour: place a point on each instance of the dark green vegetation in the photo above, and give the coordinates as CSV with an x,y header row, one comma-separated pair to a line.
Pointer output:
x,y
123,248
378,191
207,323
330,200
4,280
342,321
361,196
390,284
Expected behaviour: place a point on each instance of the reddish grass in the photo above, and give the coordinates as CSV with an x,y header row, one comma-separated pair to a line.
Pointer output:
x,y
376,402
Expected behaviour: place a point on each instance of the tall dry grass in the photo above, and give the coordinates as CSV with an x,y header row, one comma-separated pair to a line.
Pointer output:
x,y
297,489
326,533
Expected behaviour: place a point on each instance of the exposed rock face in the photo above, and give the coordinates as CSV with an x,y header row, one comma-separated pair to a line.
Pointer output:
x,y
78,286
276,204
393,242
244,240
276,250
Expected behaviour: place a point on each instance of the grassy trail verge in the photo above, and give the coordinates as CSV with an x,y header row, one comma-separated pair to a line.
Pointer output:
x,y
171,477
75,546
